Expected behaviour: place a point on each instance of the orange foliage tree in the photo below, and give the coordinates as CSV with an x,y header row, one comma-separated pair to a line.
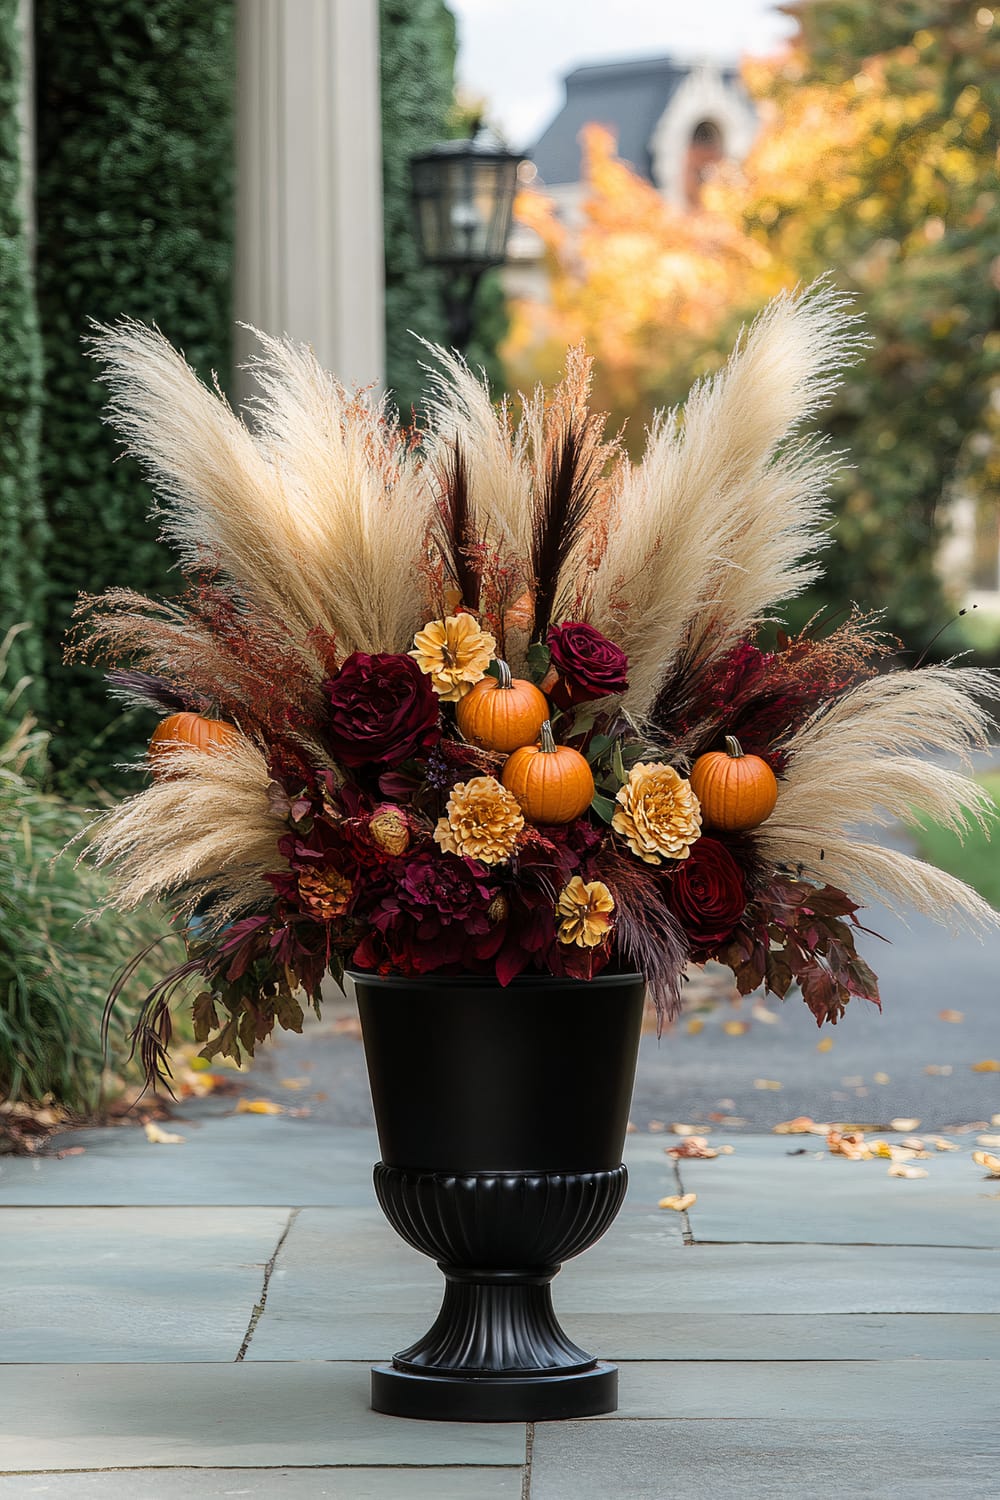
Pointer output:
x,y
648,287
876,159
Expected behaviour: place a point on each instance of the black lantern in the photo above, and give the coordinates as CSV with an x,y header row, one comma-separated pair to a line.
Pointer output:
x,y
463,198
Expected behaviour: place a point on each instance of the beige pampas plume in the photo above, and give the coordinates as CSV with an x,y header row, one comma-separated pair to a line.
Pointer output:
x,y
317,520
497,465
207,830
867,759
721,520
361,497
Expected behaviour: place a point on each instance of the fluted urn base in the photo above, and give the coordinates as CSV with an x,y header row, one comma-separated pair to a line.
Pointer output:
x,y
501,1119
496,1352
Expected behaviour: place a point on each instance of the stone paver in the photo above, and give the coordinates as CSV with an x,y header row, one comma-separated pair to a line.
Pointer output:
x,y
146,1284
242,1159
917,1458
828,1325
266,1484
763,1194
240,1416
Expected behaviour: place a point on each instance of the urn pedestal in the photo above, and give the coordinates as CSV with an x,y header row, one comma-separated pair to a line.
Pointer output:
x,y
501,1115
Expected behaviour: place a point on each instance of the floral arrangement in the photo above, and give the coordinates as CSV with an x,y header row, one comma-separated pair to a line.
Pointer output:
x,y
490,698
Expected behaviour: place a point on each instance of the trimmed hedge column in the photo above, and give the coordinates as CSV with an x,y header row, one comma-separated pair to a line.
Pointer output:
x,y
22,526
135,102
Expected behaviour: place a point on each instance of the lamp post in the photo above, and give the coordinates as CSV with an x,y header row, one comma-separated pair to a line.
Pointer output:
x,y
463,199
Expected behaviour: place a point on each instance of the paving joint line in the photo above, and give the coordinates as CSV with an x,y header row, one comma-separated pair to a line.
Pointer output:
x,y
529,1453
686,1229
259,1307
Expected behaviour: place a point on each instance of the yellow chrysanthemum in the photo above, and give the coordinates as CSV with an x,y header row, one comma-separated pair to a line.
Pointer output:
x,y
482,822
659,814
454,653
586,912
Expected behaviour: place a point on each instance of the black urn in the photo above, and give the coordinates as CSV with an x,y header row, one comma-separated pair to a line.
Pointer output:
x,y
501,1116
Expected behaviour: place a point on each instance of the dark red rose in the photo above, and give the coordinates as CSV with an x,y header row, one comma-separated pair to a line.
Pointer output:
x,y
382,710
589,665
707,893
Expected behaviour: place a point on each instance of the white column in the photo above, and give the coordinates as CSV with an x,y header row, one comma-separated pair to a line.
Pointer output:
x,y
309,258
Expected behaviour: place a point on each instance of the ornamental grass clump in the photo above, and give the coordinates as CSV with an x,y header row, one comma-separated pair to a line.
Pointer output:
x,y
54,965
474,678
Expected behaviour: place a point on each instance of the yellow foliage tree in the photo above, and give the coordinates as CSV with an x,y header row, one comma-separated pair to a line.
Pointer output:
x,y
646,286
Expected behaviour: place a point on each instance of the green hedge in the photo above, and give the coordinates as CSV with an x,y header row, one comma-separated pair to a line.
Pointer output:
x,y
418,109
135,103
22,529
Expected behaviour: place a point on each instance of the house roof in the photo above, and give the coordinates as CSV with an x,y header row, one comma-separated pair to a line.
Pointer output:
x,y
629,97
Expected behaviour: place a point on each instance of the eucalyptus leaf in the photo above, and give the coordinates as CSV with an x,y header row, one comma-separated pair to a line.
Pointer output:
x,y
604,807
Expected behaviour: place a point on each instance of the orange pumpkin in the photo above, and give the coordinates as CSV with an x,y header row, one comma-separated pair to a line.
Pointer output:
x,y
735,790
188,730
553,783
502,713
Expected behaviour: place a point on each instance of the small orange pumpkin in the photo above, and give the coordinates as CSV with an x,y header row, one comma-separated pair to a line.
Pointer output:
x,y
553,783
502,713
188,730
736,791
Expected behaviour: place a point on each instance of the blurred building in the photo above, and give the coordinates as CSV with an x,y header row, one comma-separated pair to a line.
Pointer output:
x,y
672,120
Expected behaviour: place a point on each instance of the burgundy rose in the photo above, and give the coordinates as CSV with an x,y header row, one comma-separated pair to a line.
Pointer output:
x,y
708,893
382,710
589,665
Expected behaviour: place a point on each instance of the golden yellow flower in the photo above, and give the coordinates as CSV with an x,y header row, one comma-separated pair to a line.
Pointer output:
x,y
389,830
482,822
454,653
325,893
659,814
586,912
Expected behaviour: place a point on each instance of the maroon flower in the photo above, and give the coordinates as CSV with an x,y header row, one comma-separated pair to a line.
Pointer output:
x,y
707,893
589,665
382,710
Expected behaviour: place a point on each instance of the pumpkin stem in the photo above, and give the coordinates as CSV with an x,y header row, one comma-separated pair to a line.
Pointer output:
x,y
505,674
546,739
733,747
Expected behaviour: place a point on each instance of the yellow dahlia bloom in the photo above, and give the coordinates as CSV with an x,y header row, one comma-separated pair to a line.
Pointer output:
x,y
454,653
658,813
483,821
585,911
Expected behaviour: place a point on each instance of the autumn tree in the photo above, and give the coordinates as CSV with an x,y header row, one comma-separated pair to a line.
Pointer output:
x,y
648,287
876,159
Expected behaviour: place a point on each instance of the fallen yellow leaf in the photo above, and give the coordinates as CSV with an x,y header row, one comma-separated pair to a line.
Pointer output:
x,y
988,1160
690,1129
678,1201
988,1065
939,1070
259,1107
694,1026
880,1078
956,1017
295,1083
898,1170
826,1045
736,1028
801,1125
692,1146
904,1125
762,1013
770,1084
159,1137
940,1144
